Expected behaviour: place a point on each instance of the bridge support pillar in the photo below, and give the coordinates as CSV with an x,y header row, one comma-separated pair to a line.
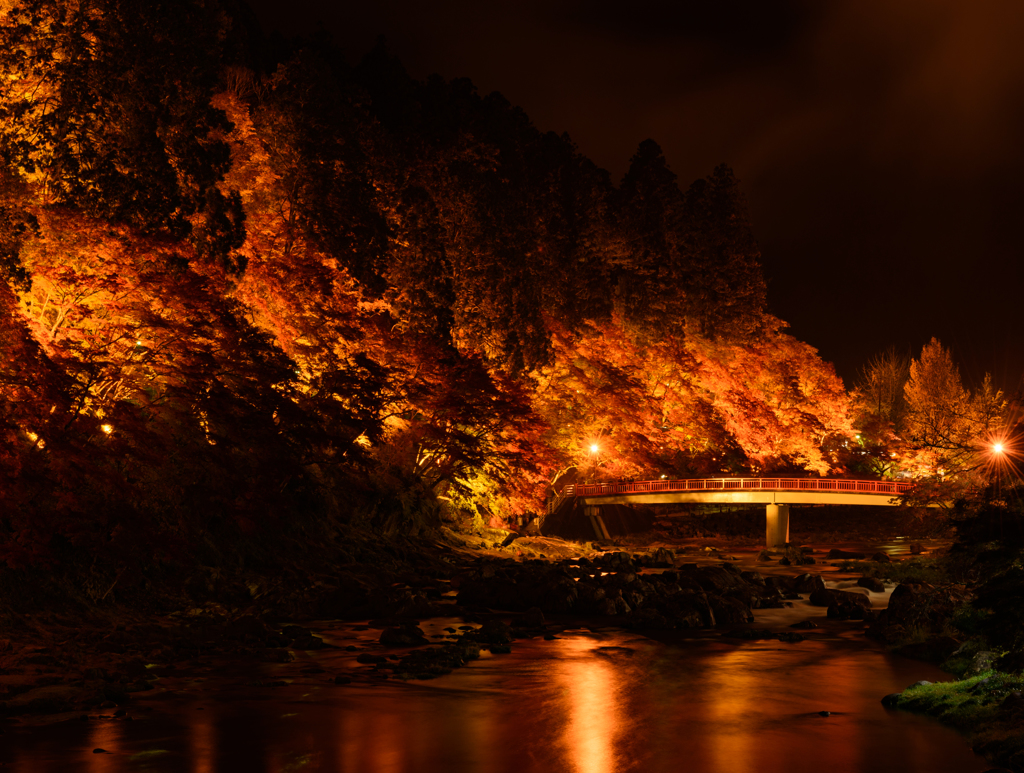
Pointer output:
x,y
777,527
597,522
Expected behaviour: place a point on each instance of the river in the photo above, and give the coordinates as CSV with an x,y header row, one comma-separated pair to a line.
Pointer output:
x,y
586,702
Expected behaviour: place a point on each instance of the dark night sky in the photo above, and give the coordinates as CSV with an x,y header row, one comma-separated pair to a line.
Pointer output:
x,y
880,143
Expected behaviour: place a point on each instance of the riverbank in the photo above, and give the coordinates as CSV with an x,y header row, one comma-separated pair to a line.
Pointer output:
x,y
961,611
62,657
65,659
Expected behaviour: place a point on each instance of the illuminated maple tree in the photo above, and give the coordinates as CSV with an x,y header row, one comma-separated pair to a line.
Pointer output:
x,y
228,293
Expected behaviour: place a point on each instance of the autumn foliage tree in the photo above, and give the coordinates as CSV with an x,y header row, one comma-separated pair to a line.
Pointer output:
x,y
105,106
235,296
880,414
946,424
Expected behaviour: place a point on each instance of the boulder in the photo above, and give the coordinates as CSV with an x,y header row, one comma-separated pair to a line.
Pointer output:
x,y
293,632
491,632
842,605
755,578
276,655
820,597
408,635
559,596
649,619
729,611
845,555
308,642
981,662
532,618
919,607
807,583
662,558
796,556
606,606
873,584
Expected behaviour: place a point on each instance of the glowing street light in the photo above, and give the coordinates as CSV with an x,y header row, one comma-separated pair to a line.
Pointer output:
x,y
594,448
997,448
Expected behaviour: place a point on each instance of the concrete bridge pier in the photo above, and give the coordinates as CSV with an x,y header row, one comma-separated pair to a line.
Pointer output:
x,y
777,526
593,512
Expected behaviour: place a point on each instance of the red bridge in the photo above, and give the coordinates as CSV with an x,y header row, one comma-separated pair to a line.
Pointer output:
x,y
714,486
777,493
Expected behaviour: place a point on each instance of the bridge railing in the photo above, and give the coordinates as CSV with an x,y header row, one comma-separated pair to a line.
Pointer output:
x,y
737,484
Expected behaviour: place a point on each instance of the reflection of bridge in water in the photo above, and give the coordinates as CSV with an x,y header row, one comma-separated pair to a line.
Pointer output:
x,y
777,493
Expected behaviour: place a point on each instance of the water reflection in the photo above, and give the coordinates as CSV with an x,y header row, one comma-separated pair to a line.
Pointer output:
x,y
202,743
586,703
726,705
105,736
593,709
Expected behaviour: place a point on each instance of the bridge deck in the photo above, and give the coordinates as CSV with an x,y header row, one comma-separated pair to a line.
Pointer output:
x,y
839,491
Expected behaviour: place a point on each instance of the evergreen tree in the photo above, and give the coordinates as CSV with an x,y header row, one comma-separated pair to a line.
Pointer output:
x,y
723,287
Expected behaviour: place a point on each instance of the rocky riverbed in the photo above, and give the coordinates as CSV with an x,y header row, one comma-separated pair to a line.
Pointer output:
x,y
57,665
425,612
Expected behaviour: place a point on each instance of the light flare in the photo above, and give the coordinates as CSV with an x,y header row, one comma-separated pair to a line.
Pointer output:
x,y
1001,455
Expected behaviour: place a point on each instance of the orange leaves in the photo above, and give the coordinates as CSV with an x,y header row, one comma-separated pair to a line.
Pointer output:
x,y
777,398
948,427
678,410
437,297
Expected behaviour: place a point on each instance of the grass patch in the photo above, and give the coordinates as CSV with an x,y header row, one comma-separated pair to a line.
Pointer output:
x,y
987,708
968,704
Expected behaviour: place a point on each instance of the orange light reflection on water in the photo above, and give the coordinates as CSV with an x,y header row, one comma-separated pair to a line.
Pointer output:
x,y
369,741
103,735
202,742
734,697
594,710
